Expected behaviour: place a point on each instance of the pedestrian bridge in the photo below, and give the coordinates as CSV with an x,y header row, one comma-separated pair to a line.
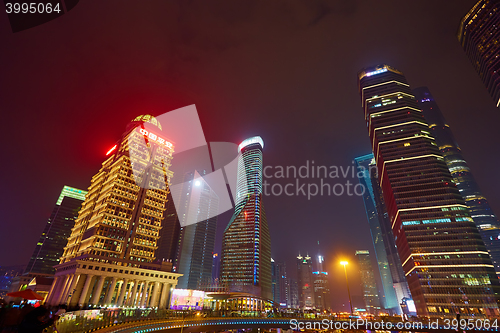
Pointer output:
x,y
147,320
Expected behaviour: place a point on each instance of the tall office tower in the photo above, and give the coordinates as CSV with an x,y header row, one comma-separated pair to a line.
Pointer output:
x,y
246,244
479,36
292,293
305,282
278,270
394,285
169,233
446,264
110,255
197,239
55,235
368,283
479,208
321,286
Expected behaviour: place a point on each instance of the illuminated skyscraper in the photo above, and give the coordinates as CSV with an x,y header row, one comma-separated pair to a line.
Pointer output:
x,y
197,240
392,277
109,258
321,285
169,233
55,235
246,244
305,282
368,283
479,208
479,36
446,264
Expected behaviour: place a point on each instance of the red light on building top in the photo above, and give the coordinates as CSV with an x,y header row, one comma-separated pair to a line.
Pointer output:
x,y
111,150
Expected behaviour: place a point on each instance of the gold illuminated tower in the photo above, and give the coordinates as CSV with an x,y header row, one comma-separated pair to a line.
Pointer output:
x,y
117,229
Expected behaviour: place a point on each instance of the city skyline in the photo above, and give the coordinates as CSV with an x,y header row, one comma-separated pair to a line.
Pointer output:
x,y
287,75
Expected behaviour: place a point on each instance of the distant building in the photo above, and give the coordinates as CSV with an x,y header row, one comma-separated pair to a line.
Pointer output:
x,y
368,283
482,214
305,282
479,36
197,240
321,286
292,293
246,243
55,235
394,286
278,283
169,233
7,274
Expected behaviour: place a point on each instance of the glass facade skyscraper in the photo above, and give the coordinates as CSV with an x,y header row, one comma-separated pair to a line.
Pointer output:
x,y
55,235
368,283
197,240
445,261
479,208
321,285
305,282
246,244
479,36
394,285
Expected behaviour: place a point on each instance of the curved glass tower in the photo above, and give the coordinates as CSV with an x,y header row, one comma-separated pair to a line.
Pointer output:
x,y
246,244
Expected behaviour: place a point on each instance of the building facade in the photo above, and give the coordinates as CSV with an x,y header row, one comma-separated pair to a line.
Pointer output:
x,y
485,219
321,286
479,36
305,282
197,240
445,261
278,270
246,244
109,259
393,282
55,235
368,283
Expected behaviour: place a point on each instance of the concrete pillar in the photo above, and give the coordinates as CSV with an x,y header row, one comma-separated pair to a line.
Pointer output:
x,y
122,292
71,289
59,291
85,290
165,291
131,296
144,293
97,291
52,288
111,290
154,295
140,291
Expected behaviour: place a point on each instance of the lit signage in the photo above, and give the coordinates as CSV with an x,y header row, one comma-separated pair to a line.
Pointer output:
x,y
376,72
249,141
411,306
111,150
187,299
156,138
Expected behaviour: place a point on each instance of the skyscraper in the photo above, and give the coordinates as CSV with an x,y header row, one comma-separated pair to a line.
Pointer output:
x,y
109,258
392,277
446,264
305,282
278,270
197,240
368,283
246,244
321,285
479,36
479,208
55,235
169,233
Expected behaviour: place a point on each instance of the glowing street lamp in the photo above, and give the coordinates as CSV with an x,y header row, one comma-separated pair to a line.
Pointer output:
x,y
345,263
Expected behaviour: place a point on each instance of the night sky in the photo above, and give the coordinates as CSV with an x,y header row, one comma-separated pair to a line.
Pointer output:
x,y
284,70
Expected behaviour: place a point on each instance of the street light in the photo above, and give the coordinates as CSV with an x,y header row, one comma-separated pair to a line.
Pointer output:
x,y
345,263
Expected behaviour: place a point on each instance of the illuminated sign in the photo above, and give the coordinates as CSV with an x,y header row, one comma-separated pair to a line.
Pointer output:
x,y
109,151
153,137
187,299
249,141
376,72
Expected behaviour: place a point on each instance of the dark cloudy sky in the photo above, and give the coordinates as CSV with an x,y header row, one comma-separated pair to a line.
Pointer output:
x,y
284,70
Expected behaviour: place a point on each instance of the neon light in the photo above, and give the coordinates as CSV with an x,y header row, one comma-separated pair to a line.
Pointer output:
x,y
252,140
154,137
443,266
378,71
109,151
420,208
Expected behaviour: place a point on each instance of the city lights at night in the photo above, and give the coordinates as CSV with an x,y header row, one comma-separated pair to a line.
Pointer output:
x,y
250,166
